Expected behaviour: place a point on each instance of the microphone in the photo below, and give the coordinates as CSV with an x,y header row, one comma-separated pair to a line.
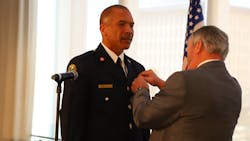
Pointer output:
x,y
65,76
71,74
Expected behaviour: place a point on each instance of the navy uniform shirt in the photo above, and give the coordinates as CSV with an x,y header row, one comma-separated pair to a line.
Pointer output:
x,y
96,106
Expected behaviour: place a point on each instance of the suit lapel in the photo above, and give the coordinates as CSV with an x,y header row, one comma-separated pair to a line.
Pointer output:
x,y
102,55
107,64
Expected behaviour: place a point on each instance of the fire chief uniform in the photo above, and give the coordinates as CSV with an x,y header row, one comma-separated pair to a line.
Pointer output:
x,y
96,106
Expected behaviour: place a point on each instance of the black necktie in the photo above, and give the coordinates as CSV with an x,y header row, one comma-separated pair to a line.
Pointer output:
x,y
119,65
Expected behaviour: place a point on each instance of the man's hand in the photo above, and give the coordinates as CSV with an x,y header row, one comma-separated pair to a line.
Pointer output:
x,y
146,77
152,79
139,83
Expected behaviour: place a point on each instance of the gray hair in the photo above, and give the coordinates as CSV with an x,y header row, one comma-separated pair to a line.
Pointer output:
x,y
213,39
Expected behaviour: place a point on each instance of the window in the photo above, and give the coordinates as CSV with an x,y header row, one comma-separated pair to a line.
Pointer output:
x,y
160,27
240,3
44,99
238,60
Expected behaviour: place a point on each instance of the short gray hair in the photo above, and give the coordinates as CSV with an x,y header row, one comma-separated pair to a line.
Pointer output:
x,y
213,39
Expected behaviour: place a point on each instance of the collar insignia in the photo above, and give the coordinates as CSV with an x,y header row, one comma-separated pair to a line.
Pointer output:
x,y
102,59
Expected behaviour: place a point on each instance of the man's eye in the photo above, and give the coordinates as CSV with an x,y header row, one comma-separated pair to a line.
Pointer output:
x,y
132,25
121,23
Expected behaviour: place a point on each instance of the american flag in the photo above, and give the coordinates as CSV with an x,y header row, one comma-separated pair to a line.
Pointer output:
x,y
194,21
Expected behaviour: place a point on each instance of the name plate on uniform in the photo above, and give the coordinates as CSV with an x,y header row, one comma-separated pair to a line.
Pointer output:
x,y
105,86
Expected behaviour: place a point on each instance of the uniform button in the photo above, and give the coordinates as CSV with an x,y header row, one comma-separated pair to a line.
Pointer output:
x,y
128,89
106,98
129,107
130,126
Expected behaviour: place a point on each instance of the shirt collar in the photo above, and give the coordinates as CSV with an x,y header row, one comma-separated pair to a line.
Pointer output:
x,y
113,56
206,61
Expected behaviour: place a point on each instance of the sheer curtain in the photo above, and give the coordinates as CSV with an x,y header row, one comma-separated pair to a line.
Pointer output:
x,y
238,61
159,35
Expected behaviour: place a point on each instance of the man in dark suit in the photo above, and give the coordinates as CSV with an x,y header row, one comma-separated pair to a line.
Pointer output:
x,y
96,106
202,103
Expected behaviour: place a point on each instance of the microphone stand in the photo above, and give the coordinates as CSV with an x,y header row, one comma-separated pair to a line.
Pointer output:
x,y
59,78
58,91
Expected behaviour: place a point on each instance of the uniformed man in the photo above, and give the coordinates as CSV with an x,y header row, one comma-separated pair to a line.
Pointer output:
x,y
96,106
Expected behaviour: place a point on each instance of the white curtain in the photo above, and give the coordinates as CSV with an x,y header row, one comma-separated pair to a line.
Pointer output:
x,y
17,55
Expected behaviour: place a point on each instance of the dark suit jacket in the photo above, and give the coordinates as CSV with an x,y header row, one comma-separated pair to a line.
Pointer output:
x,y
197,105
96,106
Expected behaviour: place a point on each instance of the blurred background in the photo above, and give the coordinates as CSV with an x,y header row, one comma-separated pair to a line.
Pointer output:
x,y
39,37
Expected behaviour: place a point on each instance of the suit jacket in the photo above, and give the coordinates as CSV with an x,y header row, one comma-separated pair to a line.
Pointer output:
x,y
96,106
197,105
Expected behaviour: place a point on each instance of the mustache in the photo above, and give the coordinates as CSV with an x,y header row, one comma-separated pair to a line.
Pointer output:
x,y
127,37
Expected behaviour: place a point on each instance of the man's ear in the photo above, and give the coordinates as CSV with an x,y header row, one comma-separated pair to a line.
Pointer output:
x,y
198,47
101,28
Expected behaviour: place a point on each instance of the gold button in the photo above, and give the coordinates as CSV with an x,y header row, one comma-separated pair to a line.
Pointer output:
x,y
129,107
128,88
130,126
106,98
